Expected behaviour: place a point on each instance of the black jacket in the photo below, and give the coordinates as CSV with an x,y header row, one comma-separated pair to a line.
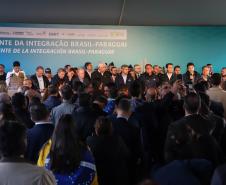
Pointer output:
x,y
187,80
35,84
204,146
111,157
98,78
150,80
85,119
165,78
119,81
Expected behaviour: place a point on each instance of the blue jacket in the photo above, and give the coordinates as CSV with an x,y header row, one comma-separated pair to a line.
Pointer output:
x,y
36,138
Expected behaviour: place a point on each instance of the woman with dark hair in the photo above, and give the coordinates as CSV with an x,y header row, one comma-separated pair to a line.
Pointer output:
x,y
20,108
6,112
111,154
70,161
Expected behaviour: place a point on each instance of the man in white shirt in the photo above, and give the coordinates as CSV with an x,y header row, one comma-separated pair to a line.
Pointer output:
x,y
15,78
169,76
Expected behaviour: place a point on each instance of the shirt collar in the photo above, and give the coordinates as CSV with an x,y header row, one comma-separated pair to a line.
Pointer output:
x,y
42,122
120,116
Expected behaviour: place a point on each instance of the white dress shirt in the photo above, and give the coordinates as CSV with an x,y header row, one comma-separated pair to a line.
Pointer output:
x,y
41,82
124,78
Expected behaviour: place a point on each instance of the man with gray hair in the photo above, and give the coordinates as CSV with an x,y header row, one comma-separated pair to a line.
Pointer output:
x,y
81,77
101,76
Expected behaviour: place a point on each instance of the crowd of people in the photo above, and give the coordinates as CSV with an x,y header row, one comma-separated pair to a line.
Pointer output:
x,y
113,126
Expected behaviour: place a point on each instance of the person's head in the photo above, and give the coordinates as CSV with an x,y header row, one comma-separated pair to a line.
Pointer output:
x,y
70,73
16,66
5,98
39,71
125,69
151,94
205,71
66,92
67,67
192,103
2,68
103,126
6,112
114,71
148,69
84,100
215,79
210,66
137,68
124,107
169,68
39,113
101,101
61,73
135,89
156,69
223,73
177,70
53,90
81,73
48,73
110,90
88,66
13,139
102,67
190,67
19,101
27,83
65,152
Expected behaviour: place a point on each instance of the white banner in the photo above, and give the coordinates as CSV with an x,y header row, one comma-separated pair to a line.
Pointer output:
x,y
58,33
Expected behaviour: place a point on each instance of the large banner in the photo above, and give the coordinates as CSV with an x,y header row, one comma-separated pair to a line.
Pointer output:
x,y
57,45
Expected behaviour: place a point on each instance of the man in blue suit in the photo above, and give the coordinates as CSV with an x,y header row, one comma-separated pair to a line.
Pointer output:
x,y
40,133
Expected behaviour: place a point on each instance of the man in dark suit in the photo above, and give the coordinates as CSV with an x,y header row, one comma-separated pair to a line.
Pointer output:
x,y
137,70
81,77
39,81
124,79
84,116
88,70
191,76
40,133
177,72
197,130
169,75
101,77
129,133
